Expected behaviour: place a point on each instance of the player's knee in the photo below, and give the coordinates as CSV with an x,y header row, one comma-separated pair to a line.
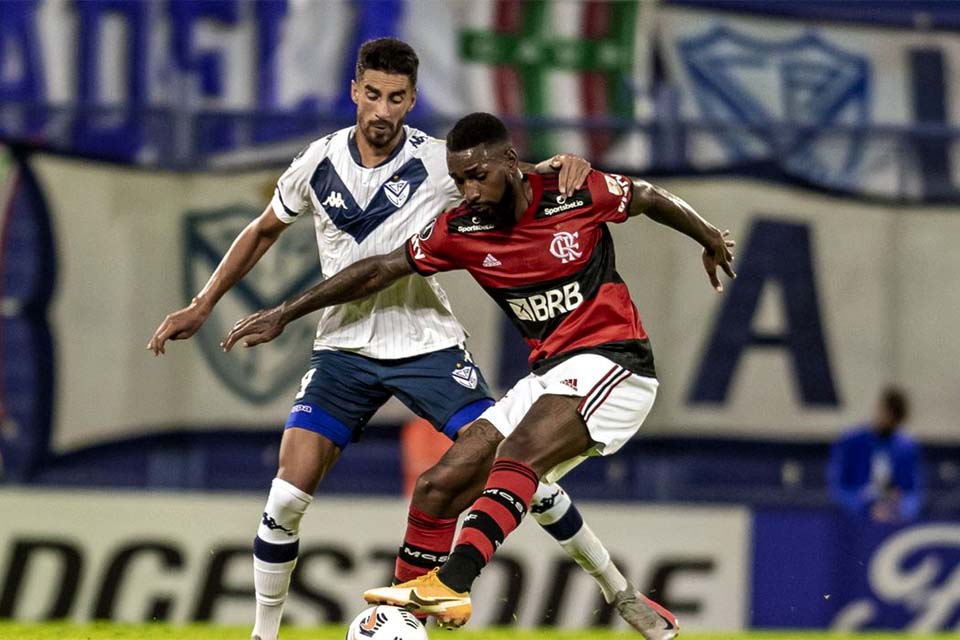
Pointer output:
x,y
438,488
520,447
286,504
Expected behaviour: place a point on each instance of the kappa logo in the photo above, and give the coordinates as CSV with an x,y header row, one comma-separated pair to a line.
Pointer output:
x,y
335,201
566,246
490,261
397,191
255,377
758,83
466,376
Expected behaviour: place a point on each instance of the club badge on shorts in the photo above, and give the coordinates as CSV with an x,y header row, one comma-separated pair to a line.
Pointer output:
x,y
465,375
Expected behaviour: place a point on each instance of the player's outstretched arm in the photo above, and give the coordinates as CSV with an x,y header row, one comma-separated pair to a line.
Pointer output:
x,y
667,209
246,250
357,281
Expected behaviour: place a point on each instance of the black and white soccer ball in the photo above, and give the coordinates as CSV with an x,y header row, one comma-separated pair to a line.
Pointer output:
x,y
386,623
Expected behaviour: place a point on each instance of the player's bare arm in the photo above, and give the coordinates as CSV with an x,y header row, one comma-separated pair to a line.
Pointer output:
x,y
357,281
659,204
573,170
246,250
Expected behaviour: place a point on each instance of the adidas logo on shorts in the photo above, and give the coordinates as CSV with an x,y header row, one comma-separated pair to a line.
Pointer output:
x,y
570,382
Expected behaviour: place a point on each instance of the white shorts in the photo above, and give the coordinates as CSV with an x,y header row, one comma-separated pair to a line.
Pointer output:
x,y
615,403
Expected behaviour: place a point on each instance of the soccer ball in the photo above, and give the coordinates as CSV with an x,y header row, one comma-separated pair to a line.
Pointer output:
x,y
386,623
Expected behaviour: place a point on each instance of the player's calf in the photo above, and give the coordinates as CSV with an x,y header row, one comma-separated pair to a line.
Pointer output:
x,y
275,552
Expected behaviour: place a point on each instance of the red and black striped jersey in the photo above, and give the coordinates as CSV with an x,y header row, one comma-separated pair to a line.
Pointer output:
x,y
553,271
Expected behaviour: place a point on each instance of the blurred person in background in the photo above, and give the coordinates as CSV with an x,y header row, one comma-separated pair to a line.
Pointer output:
x,y
875,468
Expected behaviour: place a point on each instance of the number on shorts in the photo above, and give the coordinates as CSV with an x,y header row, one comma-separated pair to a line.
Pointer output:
x,y
304,382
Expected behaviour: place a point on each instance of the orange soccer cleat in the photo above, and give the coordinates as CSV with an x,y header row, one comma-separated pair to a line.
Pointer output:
x,y
426,595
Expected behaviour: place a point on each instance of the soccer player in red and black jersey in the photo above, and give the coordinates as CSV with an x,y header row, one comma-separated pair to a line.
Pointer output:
x,y
548,261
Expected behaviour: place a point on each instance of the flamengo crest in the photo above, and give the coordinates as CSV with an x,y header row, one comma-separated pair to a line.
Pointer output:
x,y
565,246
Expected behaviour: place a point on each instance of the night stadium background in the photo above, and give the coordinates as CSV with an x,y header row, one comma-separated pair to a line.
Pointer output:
x,y
137,139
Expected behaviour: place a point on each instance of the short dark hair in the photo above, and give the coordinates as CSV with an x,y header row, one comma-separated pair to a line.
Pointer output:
x,y
897,403
476,129
390,56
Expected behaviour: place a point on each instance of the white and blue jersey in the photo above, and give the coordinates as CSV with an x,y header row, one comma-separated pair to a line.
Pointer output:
x,y
359,212
403,341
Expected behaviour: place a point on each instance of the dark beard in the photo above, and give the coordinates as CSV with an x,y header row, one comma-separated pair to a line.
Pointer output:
x,y
369,132
500,212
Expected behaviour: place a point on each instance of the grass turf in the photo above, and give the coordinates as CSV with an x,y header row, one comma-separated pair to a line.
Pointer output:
x,y
106,631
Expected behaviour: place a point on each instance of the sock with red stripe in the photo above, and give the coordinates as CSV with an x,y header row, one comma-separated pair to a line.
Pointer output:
x,y
496,513
426,545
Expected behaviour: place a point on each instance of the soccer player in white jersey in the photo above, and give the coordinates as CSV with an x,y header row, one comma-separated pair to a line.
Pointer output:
x,y
368,188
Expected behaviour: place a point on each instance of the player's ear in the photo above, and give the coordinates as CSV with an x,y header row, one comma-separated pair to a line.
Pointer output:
x,y
355,91
513,160
413,100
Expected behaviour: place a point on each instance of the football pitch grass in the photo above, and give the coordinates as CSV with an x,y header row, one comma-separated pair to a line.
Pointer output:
x,y
50,631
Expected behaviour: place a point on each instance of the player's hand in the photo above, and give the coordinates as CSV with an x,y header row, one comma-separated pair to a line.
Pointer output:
x,y
718,254
573,171
179,325
256,328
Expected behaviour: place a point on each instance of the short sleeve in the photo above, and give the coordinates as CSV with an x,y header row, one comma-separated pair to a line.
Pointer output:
x,y
291,198
428,252
611,195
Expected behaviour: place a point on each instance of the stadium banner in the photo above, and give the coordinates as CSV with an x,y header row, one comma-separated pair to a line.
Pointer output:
x,y
820,568
27,281
848,90
188,557
249,81
831,303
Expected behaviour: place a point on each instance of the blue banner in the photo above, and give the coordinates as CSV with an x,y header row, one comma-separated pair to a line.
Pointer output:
x,y
27,275
819,568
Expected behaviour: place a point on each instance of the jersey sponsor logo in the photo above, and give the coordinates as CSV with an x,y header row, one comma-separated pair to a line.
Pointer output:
x,y
566,246
418,253
490,261
541,307
554,202
334,201
427,231
562,205
465,376
463,224
416,141
254,377
612,185
397,191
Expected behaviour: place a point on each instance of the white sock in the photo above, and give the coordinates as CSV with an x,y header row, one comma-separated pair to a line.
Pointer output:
x,y
275,554
552,508
587,551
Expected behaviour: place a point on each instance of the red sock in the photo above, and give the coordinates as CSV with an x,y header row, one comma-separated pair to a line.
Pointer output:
x,y
426,544
496,513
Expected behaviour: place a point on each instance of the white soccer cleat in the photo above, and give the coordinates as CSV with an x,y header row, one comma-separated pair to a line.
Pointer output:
x,y
654,621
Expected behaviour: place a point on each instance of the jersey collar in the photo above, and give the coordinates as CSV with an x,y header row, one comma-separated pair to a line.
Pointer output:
x,y
536,193
355,150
